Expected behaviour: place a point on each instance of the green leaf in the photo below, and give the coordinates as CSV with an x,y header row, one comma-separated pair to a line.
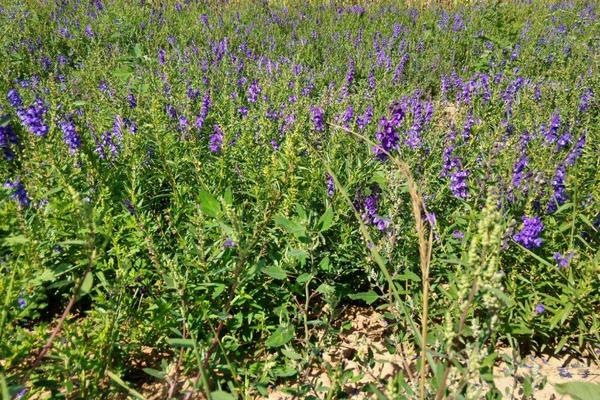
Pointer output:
x,y
155,373
579,390
115,378
123,73
12,240
73,242
292,227
280,337
180,342
298,254
291,354
4,120
324,264
409,276
275,272
228,196
4,388
368,297
305,277
326,220
520,330
137,50
86,286
221,395
209,204
284,372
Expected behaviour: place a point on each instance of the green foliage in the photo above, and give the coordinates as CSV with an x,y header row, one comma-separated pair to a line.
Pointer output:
x,y
231,267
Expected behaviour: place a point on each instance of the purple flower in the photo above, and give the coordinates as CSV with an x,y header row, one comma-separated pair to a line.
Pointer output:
x,y
318,118
585,100
348,116
550,133
458,24
458,235
70,135
363,120
539,308
203,111
563,141
161,56
171,111
21,302
529,236
400,69
229,243
518,171
8,138
576,151
458,183
370,215
372,80
14,98
330,186
184,124
431,218
470,121
559,197
131,100
19,194
387,137
254,91
216,140
33,118
563,261
88,31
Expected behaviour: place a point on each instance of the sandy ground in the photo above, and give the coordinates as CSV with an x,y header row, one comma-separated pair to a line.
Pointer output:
x,y
365,340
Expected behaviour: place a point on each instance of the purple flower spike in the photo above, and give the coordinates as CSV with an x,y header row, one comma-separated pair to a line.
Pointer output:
x,y
216,140
33,118
70,135
563,261
318,118
19,194
529,236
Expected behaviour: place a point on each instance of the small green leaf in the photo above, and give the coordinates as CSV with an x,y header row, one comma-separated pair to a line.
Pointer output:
x,y
291,354
275,272
280,337
86,286
228,196
12,240
221,395
284,372
155,373
579,390
292,227
409,276
298,254
209,204
304,278
73,242
180,342
326,220
368,297
115,378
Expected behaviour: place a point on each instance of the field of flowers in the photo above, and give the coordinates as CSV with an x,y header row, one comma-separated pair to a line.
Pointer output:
x,y
193,192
